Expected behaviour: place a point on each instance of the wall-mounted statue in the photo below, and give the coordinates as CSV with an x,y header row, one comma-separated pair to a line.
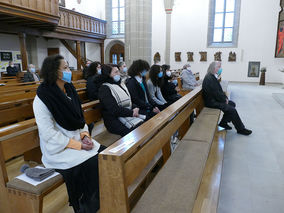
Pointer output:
x,y
190,56
177,56
157,58
203,56
232,56
217,56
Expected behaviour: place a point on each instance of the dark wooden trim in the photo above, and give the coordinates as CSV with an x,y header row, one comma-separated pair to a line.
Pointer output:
x,y
22,38
78,55
102,53
68,47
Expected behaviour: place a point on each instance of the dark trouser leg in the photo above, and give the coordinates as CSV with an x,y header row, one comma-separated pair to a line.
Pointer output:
x,y
231,114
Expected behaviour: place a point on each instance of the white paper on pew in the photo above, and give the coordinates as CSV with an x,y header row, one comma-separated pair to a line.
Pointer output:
x,y
33,182
121,146
8,127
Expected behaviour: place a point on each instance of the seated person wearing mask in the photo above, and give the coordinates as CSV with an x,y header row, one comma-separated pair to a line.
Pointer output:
x,y
138,89
154,84
30,75
123,71
188,79
214,97
11,69
170,87
120,115
85,69
93,72
64,138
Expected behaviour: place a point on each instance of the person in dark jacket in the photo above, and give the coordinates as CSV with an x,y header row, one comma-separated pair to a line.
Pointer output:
x,y
120,115
169,87
30,75
214,97
11,69
93,71
85,69
138,89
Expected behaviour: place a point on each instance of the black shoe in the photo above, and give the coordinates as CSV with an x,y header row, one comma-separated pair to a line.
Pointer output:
x,y
225,126
244,131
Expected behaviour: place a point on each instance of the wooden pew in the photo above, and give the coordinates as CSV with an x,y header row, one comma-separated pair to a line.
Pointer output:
x,y
121,164
22,139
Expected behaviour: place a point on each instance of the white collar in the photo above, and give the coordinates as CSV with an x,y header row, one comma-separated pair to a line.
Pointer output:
x,y
216,75
138,78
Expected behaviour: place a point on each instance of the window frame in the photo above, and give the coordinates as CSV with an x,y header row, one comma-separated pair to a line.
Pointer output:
x,y
119,21
211,25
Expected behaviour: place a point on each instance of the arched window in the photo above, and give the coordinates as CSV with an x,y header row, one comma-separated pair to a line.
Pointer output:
x,y
223,24
118,16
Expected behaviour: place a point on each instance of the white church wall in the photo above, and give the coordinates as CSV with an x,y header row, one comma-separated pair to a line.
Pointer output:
x,y
95,8
257,37
93,51
158,29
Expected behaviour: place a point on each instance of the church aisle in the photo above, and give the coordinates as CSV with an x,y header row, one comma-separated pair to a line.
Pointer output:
x,y
253,170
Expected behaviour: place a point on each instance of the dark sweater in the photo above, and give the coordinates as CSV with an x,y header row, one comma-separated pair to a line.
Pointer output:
x,y
213,93
12,71
169,91
138,96
93,86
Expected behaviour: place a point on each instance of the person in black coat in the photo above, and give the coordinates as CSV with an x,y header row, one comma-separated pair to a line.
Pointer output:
x,y
116,103
11,69
86,69
214,97
138,89
92,73
169,87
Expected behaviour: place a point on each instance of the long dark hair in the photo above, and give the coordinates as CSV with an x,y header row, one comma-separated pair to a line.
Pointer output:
x,y
105,76
166,67
137,67
153,75
49,68
92,69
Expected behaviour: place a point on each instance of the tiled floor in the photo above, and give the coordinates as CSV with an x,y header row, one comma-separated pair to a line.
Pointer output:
x,y
253,170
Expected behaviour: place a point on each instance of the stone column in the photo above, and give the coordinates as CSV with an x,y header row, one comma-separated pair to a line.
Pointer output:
x,y
138,30
168,8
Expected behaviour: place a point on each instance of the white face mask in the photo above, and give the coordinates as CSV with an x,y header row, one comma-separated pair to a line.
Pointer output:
x,y
169,73
12,65
189,69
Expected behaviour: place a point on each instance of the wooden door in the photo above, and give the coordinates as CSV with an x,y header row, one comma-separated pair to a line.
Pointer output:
x,y
52,51
116,54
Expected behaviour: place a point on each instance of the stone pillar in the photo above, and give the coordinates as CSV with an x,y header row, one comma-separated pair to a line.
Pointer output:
x,y
138,30
168,8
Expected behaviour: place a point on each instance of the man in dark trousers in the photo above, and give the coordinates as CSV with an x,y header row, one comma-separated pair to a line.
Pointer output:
x,y
11,69
214,97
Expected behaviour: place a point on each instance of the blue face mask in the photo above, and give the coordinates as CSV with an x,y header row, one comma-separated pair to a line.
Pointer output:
x,y
66,76
160,75
220,71
144,73
116,78
125,69
32,70
99,71
175,82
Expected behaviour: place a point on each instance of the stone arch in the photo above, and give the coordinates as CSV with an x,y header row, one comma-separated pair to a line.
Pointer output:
x,y
109,46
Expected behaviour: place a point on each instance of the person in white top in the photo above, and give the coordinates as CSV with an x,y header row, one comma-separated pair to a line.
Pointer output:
x,y
154,85
188,79
64,139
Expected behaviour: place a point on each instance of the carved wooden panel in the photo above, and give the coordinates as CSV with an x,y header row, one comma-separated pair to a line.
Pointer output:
x,y
203,56
177,56
217,56
190,56
232,56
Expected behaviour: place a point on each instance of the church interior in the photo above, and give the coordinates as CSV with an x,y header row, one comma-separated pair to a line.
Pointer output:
x,y
157,106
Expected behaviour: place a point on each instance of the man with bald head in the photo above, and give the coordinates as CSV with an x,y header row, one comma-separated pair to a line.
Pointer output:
x,y
214,97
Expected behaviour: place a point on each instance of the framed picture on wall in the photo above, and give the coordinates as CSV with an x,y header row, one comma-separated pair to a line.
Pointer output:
x,y
19,56
6,56
253,69
279,51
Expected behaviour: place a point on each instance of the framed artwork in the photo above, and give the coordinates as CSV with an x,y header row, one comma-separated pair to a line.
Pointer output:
x,y
253,69
279,52
178,56
19,56
6,56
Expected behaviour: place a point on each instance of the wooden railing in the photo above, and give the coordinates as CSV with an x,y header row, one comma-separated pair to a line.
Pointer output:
x,y
81,22
41,10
